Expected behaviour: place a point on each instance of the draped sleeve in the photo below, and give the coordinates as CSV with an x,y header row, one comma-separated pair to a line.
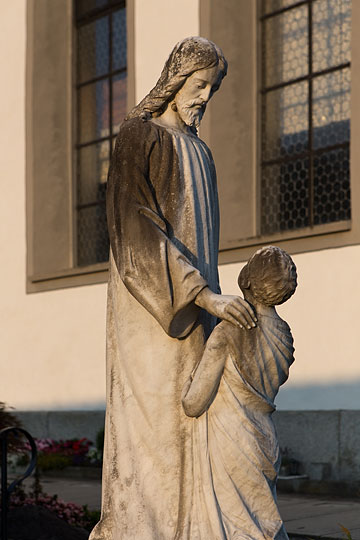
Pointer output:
x,y
151,266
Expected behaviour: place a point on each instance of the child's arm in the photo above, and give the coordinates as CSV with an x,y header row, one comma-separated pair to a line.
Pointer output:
x,y
199,392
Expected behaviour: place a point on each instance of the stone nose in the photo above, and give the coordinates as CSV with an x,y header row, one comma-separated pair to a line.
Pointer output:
x,y
205,94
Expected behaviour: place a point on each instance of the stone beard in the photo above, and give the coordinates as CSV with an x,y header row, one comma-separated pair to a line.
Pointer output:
x,y
191,112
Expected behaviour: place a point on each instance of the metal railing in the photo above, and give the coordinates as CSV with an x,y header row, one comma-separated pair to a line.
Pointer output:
x,y
5,489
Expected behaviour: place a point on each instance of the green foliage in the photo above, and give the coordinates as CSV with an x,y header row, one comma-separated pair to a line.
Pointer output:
x,y
91,518
46,462
74,514
8,419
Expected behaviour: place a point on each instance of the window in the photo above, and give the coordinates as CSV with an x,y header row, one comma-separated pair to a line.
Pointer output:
x,y
305,113
279,129
77,79
101,106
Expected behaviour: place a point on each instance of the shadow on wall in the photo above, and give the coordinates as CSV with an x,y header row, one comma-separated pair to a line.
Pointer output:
x,y
344,395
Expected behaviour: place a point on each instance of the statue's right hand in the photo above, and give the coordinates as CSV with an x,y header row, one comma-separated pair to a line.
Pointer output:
x,y
227,307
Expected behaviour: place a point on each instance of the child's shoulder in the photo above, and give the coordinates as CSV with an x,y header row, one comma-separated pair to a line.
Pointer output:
x,y
225,327
226,333
233,330
218,336
236,338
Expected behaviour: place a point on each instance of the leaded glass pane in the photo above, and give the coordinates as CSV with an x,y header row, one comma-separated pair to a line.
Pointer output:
x,y
93,49
119,100
93,170
101,105
119,39
285,196
331,33
285,129
331,108
93,111
286,53
332,186
93,240
305,114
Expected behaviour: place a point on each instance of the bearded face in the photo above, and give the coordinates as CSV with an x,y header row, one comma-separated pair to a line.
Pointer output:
x,y
193,96
190,112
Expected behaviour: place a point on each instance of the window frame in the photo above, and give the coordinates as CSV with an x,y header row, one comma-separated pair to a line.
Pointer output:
x,y
50,143
220,26
310,152
108,78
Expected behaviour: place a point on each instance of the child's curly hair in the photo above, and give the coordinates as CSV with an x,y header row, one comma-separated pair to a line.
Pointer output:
x,y
271,275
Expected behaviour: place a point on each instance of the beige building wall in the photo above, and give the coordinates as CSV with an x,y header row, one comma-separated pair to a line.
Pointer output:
x,y
159,25
53,343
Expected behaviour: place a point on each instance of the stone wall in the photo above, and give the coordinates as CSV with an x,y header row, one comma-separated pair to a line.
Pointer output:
x,y
326,443
62,424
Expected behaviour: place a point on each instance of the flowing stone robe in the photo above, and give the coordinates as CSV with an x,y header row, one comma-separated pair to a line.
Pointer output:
x,y
164,225
236,452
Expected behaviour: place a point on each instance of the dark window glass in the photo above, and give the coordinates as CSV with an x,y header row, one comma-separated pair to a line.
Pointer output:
x,y
101,107
305,113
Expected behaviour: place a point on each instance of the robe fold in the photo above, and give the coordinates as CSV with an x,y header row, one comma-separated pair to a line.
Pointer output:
x,y
164,225
236,452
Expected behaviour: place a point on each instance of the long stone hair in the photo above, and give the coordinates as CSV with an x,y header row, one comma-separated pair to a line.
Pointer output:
x,y
189,55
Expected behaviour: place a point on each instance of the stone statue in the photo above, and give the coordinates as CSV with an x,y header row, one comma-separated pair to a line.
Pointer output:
x,y
236,453
163,297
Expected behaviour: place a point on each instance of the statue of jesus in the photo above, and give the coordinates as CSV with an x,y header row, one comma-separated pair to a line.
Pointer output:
x,y
163,297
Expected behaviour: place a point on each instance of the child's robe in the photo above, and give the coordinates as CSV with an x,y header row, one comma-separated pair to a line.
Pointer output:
x,y
236,452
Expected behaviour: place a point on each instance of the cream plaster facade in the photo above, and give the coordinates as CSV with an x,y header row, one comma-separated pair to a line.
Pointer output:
x,y
53,343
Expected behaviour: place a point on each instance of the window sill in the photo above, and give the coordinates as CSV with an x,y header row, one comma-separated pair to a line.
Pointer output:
x,y
72,277
309,239
326,236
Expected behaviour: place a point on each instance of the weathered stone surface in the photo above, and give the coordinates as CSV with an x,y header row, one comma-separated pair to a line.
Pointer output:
x,y
163,302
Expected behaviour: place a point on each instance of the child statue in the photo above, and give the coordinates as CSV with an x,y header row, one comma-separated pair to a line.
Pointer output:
x,y
236,452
